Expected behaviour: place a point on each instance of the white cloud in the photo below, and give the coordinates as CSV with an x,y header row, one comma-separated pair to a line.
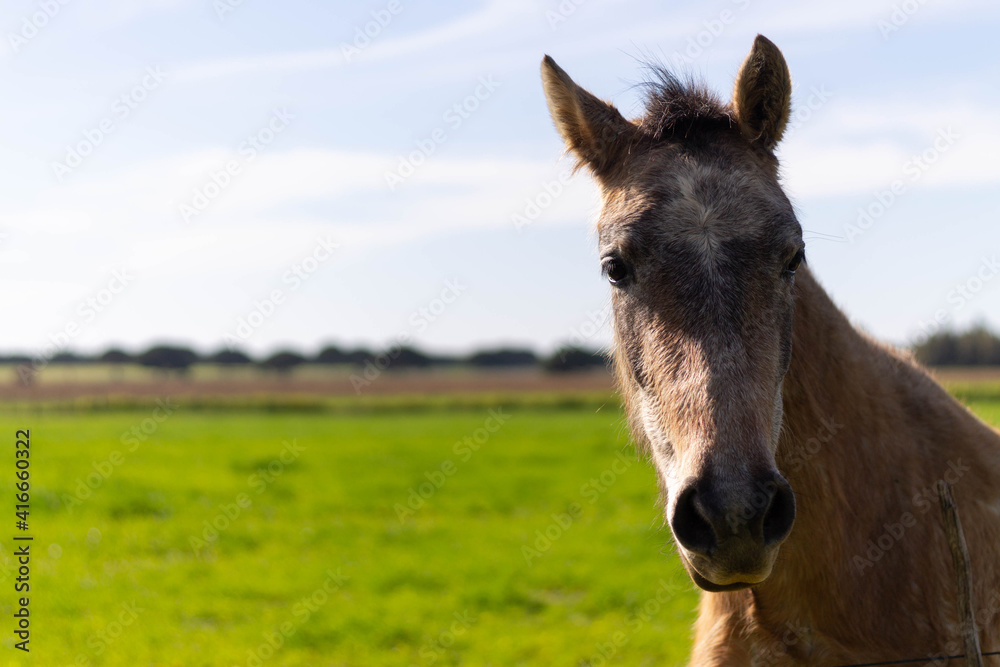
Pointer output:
x,y
861,146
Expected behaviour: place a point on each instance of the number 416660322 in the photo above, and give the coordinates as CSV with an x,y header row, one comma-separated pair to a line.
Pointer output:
x,y
22,485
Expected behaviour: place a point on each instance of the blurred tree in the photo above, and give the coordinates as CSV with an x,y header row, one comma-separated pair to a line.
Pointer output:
x,y
571,358
504,357
168,358
332,354
360,356
115,356
977,346
229,358
68,357
408,357
15,359
283,362
117,359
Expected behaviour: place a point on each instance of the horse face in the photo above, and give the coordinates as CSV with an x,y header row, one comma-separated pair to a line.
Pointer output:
x,y
701,247
702,292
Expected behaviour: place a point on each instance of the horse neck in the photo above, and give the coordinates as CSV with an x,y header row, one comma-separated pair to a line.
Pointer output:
x,y
866,434
864,429
836,442
831,364
857,419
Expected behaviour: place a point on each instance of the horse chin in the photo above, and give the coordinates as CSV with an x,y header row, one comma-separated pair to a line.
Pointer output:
x,y
733,583
706,585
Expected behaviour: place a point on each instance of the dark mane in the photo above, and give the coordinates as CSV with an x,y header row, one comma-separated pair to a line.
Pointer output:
x,y
676,108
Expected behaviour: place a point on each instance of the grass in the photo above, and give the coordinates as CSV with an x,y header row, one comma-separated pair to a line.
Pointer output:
x,y
318,403
448,583
403,533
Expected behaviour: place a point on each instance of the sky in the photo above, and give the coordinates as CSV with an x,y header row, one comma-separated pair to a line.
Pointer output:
x,y
265,175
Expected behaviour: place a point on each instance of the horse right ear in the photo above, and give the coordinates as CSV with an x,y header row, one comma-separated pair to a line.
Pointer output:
x,y
593,129
762,95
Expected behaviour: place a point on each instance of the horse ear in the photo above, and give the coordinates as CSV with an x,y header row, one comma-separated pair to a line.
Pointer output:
x,y
593,129
762,95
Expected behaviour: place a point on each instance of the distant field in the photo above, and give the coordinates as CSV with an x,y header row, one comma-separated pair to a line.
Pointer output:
x,y
62,383
319,386
448,585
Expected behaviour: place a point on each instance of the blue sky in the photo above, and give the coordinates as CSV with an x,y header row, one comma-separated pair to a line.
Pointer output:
x,y
266,174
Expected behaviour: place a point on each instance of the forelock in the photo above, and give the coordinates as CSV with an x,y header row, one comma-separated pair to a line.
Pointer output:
x,y
677,109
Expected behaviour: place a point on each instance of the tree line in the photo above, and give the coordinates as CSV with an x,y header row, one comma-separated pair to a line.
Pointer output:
x,y
977,346
180,358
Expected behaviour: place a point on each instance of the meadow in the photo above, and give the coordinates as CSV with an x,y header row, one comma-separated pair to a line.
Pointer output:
x,y
387,538
492,533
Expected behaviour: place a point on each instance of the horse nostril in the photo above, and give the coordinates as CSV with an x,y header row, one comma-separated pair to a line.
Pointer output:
x,y
690,528
780,514
762,517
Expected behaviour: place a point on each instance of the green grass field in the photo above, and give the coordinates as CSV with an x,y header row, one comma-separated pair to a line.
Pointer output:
x,y
318,560
385,538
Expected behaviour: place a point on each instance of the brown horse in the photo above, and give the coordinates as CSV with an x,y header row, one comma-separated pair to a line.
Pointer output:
x,y
762,407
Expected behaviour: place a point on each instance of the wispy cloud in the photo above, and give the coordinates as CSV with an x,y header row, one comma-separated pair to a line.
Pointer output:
x,y
494,15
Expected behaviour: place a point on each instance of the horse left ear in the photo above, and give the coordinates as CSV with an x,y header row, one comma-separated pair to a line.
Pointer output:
x,y
763,93
593,129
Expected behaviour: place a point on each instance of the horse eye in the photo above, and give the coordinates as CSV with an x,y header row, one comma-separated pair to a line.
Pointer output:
x,y
615,269
793,265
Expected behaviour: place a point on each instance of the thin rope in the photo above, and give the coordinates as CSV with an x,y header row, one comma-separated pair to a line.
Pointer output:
x,y
902,662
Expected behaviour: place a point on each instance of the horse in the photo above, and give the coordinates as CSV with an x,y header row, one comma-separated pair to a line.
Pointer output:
x,y
796,456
